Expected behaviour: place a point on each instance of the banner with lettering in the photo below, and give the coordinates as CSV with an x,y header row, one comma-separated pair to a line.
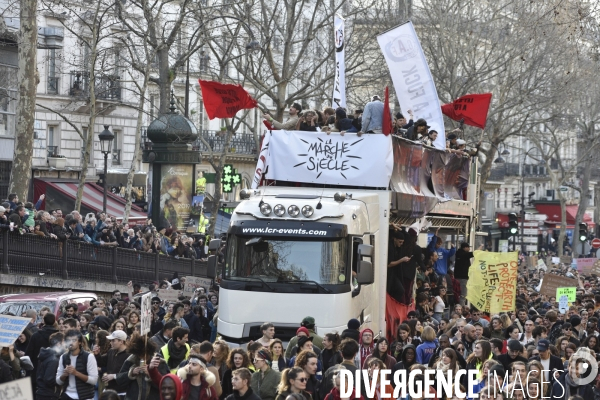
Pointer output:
x,y
339,82
412,79
492,284
315,157
11,328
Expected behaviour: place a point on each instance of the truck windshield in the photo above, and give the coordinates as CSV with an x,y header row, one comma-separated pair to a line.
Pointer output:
x,y
283,260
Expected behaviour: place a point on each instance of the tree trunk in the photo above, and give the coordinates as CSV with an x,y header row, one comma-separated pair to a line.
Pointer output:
x,y
89,140
20,175
165,75
563,223
583,203
138,150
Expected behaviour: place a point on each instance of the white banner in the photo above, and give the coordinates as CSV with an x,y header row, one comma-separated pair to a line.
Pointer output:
x,y
315,157
339,82
146,313
261,165
412,79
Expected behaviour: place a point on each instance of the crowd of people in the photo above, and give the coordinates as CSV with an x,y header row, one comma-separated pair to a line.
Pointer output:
x,y
99,229
371,121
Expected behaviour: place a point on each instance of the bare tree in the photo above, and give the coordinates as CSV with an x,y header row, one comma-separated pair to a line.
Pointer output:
x,y
28,79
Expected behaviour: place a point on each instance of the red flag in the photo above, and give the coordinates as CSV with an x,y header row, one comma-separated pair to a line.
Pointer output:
x,y
472,107
387,120
223,100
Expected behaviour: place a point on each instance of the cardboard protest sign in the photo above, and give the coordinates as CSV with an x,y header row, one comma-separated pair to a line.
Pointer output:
x,y
555,260
566,259
194,282
146,313
17,390
585,265
551,282
169,295
541,265
10,329
492,283
570,292
563,304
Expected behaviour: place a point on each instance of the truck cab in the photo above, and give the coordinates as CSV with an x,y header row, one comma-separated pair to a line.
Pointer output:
x,y
302,249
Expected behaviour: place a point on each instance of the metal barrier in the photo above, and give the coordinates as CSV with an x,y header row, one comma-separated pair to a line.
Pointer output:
x,y
38,255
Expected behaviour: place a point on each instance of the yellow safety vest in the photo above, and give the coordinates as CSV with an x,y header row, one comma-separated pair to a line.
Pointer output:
x,y
200,185
202,222
166,355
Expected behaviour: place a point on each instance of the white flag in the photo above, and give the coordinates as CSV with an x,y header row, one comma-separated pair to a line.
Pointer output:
x,y
412,79
339,83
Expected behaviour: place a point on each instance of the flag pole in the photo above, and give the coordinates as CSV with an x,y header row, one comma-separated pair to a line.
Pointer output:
x,y
392,28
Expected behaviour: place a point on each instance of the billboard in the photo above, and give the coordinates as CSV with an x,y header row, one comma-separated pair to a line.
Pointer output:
x,y
176,184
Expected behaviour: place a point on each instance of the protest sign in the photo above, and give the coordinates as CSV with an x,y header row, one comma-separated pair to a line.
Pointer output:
x,y
492,283
563,304
585,265
555,260
596,268
570,292
169,295
541,265
17,390
194,282
566,259
532,261
551,282
146,313
11,328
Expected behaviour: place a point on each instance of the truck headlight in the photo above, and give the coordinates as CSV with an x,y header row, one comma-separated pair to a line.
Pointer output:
x,y
308,211
265,209
293,211
279,210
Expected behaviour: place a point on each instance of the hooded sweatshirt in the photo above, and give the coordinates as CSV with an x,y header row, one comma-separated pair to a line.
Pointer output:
x,y
46,375
365,352
425,351
403,364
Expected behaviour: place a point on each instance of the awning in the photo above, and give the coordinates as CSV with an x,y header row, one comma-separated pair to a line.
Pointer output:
x,y
552,211
62,194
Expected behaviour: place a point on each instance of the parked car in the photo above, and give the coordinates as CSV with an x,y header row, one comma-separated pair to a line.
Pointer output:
x,y
57,301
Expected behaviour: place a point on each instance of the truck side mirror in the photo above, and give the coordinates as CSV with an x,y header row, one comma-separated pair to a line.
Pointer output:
x,y
364,269
211,270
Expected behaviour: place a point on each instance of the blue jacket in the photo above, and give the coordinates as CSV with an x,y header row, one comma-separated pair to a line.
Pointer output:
x,y
425,350
441,265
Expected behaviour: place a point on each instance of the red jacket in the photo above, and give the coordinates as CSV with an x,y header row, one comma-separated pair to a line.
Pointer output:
x,y
207,391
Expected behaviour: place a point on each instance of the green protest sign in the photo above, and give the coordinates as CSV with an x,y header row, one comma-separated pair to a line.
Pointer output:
x,y
570,292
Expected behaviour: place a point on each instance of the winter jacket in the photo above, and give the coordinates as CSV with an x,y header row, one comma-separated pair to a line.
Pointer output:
x,y
317,341
265,387
29,222
425,350
5,372
46,374
559,390
139,388
112,363
284,395
38,340
195,326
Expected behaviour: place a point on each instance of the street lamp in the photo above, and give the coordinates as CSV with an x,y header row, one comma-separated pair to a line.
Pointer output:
x,y
106,141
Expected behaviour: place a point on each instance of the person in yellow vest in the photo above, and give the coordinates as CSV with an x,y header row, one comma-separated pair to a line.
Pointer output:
x,y
202,223
177,349
200,183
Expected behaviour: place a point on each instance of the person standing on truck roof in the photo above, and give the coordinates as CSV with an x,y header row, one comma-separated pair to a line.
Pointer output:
x,y
372,118
309,324
441,265
290,124
461,268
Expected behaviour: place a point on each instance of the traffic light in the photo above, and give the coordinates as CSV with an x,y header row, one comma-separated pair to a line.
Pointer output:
x,y
513,223
583,232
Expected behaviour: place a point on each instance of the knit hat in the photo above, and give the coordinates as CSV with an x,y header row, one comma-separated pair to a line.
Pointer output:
x,y
515,345
266,354
354,324
399,115
398,235
575,320
101,322
302,341
308,321
302,329
2,209
421,122
363,332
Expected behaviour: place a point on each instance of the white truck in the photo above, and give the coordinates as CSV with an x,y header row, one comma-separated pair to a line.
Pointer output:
x,y
322,251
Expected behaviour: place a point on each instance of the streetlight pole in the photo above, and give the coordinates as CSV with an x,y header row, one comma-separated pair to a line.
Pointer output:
x,y
106,140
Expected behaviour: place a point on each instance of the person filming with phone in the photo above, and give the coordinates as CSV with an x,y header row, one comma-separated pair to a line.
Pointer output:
x,y
403,258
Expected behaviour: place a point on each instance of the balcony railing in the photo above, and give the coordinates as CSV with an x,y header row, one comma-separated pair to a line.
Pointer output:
x,y
52,151
241,143
107,87
37,255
